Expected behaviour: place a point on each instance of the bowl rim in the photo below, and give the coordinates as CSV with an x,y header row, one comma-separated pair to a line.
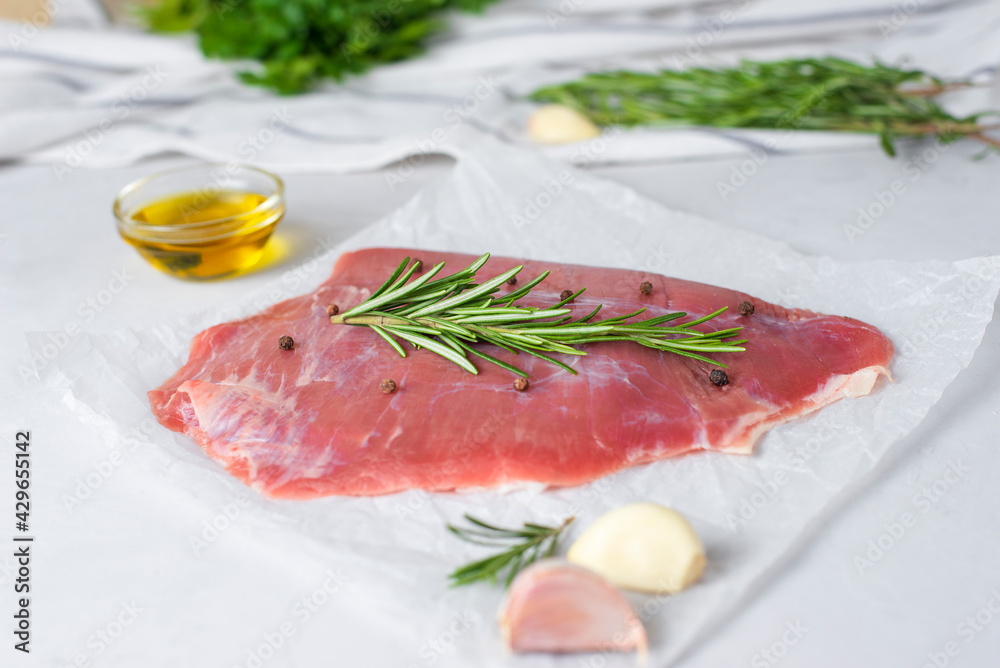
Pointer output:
x,y
128,224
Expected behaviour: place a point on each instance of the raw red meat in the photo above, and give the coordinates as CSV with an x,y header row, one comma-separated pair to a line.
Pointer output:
x,y
312,421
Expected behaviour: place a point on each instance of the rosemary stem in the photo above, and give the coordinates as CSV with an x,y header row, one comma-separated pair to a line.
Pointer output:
x,y
369,320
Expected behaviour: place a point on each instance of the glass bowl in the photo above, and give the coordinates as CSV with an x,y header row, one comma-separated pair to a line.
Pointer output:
x,y
204,221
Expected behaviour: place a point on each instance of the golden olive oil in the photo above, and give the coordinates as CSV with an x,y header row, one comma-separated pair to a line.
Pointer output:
x,y
198,235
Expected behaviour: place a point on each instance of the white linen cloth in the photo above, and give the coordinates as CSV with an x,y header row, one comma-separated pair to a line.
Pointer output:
x,y
82,93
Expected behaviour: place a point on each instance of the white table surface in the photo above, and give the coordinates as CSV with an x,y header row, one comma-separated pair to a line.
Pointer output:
x,y
58,247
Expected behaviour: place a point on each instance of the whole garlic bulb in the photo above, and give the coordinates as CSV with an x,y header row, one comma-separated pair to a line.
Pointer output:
x,y
642,546
558,124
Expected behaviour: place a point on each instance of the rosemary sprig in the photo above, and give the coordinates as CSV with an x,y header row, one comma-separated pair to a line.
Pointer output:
x,y
521,547
794,94
448,315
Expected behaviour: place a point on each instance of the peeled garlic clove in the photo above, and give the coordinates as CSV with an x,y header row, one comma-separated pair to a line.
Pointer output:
x,y
557,124
554,606
642,546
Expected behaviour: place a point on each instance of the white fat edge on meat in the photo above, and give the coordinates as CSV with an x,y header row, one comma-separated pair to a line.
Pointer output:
x,y
857,384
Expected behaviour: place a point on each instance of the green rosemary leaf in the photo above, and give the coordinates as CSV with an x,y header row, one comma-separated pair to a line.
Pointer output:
x,y
885,141
722,334
519,314
489,337
421,301
455,344
392,279
464,276
406,276
494,530
679,345
706,318
471,534
694,356
485,288
570,331
484,566
526,288
622,318
548,359
391,295
563,302
388,337
659,320
418,329
514,569
537,527
600,339
590,316
493,360
434,346
450,328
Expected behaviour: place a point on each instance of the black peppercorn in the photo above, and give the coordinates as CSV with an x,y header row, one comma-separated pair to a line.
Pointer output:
x,y
645,287
521,384
512,280
332,310
388,386
745,308
719,377
286,343
565,294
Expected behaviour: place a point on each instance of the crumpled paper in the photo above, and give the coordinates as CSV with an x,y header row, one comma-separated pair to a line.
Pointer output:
x,y
750,511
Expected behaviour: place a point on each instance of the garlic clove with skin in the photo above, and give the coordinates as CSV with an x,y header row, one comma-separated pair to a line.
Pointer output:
x,y
554,606
558,124
642,546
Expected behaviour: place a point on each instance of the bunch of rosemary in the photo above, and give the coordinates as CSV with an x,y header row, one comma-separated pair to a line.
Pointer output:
x,y
794,94
302,42
448,315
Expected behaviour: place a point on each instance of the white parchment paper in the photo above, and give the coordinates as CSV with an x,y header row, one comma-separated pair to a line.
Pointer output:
x,y
393,550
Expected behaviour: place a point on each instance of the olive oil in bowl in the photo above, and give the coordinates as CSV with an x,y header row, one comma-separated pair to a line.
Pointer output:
x,y
203,232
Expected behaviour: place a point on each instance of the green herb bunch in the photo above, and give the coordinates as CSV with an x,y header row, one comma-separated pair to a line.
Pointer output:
x,y
302,42
794,94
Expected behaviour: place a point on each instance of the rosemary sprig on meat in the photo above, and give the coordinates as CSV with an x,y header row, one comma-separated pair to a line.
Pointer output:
x,y
448,315
521,547
793,94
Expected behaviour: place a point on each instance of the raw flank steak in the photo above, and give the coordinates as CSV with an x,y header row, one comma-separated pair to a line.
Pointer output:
x,y
314,420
